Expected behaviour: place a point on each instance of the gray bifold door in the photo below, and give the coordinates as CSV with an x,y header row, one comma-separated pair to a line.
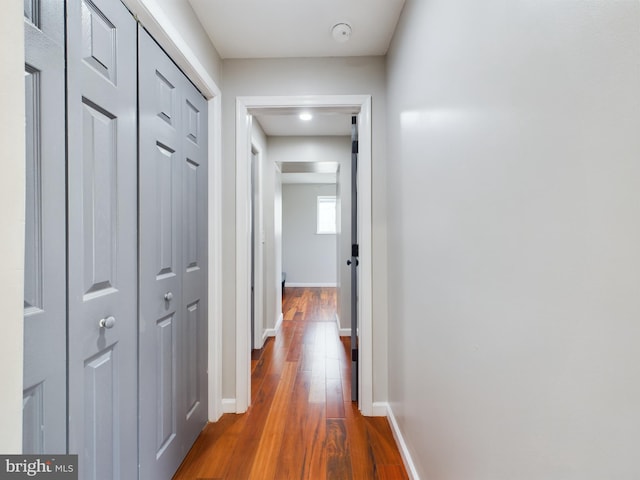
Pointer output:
x,y
173,259
45,301
102,239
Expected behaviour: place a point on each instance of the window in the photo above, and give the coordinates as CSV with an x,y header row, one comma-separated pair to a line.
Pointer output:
x,y
326,215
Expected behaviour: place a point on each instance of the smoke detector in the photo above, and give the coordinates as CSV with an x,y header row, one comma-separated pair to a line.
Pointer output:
x,y
341,32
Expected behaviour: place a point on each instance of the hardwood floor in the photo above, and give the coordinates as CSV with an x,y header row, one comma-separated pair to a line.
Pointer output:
x,y
301,423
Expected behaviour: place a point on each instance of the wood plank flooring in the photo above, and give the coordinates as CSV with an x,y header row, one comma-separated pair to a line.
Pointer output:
x,y
301,423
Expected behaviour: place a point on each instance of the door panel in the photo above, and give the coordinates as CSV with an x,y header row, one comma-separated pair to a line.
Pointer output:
x,y
102,234
160,282
194,263
44,381
173,239
354,259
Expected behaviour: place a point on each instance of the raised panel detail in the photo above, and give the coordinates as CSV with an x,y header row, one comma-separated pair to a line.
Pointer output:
x,y
101,421
99,199
33,214
99,41
192,122
192,386
33,419
32,11
165,381
166,94
191,195
166,215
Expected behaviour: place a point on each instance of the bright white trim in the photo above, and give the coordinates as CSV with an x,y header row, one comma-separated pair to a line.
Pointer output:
x,y
150,14
342,332
311,285
244,107
402,446
258,252
228,405
380,409
365,275
156,22
243,260
272,332
345,332
215,260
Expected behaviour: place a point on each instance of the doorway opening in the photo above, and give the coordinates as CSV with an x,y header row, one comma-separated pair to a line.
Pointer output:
x,y
246,107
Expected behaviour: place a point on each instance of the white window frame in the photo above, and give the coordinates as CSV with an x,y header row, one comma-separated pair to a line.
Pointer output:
x,y
320,225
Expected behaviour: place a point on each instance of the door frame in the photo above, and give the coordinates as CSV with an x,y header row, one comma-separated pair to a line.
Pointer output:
x,y
157,23
244,106
255,154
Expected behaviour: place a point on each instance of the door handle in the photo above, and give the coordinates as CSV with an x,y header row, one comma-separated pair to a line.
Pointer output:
x,y
168,296
349,262
108,322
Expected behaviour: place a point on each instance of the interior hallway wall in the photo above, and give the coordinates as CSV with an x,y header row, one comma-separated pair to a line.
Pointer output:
x,y
514,234
302,76
308,258
12,223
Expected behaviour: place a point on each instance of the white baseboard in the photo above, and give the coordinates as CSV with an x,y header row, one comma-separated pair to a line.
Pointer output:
x,y
402,446
343,332
379,409
271,332
228,405
310,285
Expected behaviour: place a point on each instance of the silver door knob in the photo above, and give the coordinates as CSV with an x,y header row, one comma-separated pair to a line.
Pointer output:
x,y
168,296
108,322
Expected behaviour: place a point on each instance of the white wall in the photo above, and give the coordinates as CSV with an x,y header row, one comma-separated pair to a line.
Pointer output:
x,y
514,245
308,258
317,76
12,221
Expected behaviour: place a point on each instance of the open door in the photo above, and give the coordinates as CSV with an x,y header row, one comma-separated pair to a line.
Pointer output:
x,y
353,261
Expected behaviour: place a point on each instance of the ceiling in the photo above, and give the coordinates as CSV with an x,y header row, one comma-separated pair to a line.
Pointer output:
x,y
297,28
324,122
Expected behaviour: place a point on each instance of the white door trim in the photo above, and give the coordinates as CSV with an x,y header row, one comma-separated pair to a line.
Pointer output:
x,y
258,235
244,107
156,22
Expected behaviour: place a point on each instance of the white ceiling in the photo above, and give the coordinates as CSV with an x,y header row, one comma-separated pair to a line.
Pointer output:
x,y
297,28
323,123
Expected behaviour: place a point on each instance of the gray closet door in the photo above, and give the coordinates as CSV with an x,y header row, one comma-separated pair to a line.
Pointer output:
x,y
45,387
172,189
194,262
102,240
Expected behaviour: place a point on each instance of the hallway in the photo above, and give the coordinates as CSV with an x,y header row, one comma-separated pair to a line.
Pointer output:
x,y
301,423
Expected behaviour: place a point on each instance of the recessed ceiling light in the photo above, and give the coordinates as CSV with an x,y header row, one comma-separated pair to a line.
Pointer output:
x,y
306,116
